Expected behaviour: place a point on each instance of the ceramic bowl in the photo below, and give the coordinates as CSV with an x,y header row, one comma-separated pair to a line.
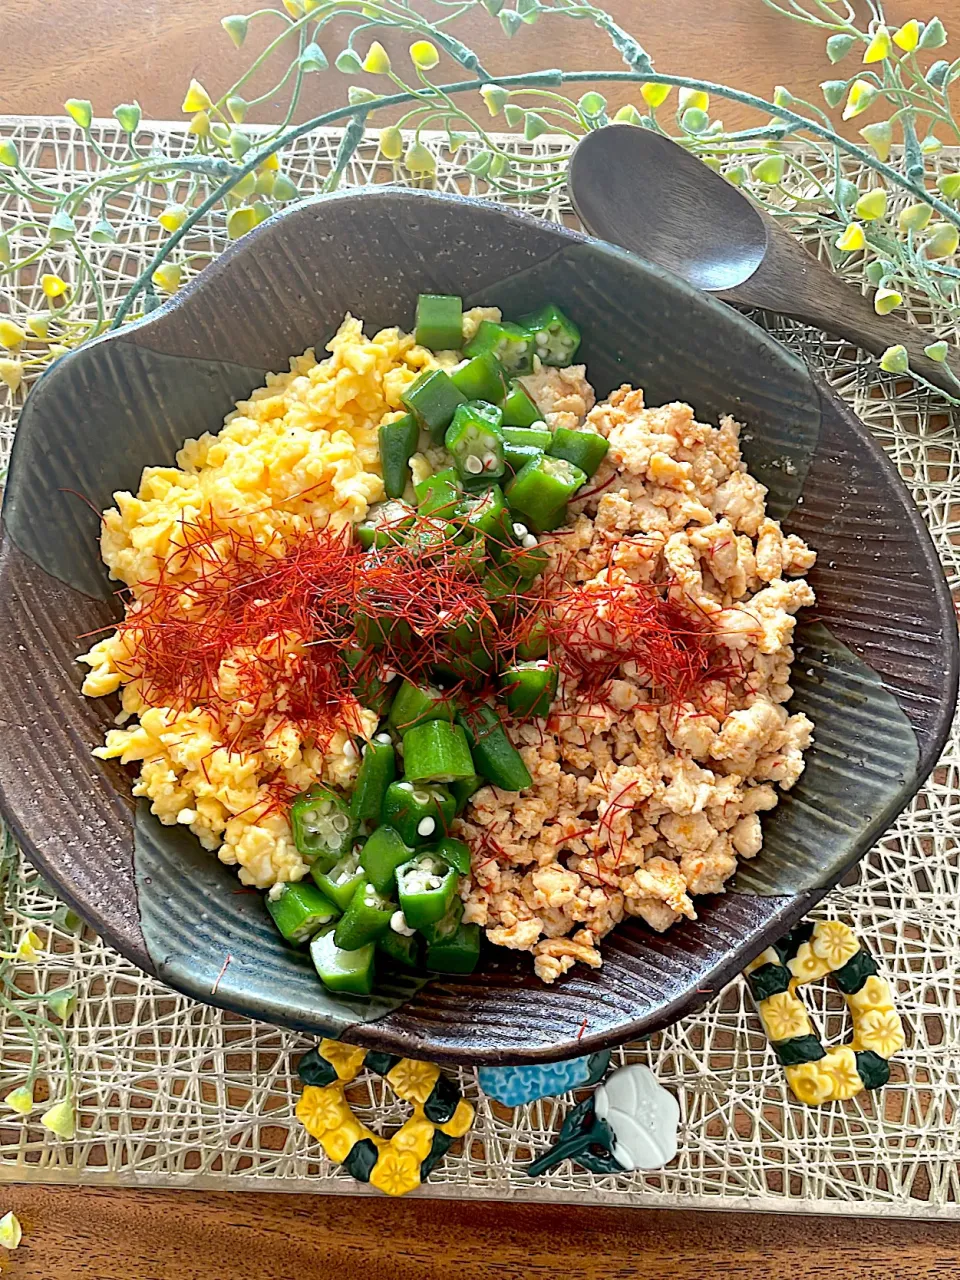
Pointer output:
x,y
876,669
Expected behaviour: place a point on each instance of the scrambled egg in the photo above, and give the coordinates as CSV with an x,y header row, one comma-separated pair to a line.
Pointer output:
x,y
303,447
634,810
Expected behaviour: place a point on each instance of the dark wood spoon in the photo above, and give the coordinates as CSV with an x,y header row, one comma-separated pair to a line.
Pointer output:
x,y
642,191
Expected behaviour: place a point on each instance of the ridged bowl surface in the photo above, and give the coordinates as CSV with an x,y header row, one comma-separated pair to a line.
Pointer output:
x,y
876,668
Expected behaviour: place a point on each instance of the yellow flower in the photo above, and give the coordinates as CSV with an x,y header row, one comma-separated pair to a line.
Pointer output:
x,y
20,1100
834,942
53,286
416,1136
337,1143
39,324
419,161
167,276
784,1016
11,335
914,217
653,94
11,1233
413,1081
61,1119
460,1121
272,164
806,966
694,98
871,205
396,1172
28,948
809,1083
424,55
880,47
377,61
943,241
874,994
345,1059
200,125
908,36
11,372
852,238
860,97
880,1030
840,1065
320,1109
173,217
197,99
391,143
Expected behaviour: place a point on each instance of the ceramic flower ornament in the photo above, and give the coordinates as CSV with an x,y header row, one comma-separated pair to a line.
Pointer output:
x,y
515,1086
642,1115
629,1123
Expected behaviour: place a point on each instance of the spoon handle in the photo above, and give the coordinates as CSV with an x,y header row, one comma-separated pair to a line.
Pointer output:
x,y
791,281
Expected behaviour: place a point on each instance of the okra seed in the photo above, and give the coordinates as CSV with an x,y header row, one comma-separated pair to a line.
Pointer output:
x,y
543,336
398,923
426,827
529,541
384,738
473,464
520,530
310,816
421,797
340,823
490,462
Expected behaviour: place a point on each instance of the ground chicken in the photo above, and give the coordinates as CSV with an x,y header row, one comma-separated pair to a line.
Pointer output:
x,y
638,805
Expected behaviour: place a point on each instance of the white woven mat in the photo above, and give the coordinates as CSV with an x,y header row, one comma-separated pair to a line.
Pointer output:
x,y
173,1093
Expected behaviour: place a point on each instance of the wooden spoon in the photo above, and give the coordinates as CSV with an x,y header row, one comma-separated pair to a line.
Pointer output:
x,y
646,193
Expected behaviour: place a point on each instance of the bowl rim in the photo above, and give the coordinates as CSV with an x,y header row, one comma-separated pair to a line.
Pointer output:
x,y
794,906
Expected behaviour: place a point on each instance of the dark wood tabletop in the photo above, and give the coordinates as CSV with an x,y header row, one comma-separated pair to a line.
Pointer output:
x,y
118,50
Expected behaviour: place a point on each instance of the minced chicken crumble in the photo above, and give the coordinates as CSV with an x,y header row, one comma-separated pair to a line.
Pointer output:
x,y
637,808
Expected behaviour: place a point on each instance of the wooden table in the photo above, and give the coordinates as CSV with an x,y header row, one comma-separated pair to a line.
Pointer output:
x,y
115,51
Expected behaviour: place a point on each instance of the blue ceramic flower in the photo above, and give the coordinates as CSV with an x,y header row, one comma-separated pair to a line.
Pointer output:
x,y
513,1086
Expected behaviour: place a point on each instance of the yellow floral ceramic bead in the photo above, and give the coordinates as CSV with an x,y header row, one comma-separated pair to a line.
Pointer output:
x,y
875,993
460,1121
769,956
413,1081
806,965
416,1136
396,1172
834,943
840,1065
321,1108
809,1083
338,1143
345,1059
784,1016
880,1030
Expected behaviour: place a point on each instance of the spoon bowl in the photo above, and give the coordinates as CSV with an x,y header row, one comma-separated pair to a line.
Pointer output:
x,y
638,189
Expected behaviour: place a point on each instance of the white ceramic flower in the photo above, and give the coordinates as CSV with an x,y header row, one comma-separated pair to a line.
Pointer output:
x,y
643,1116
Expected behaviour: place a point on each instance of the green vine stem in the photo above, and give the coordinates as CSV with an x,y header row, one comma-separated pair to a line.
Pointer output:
x,y
239,177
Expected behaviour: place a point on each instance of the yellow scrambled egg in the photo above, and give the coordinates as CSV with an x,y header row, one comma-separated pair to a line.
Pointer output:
x,y
302,448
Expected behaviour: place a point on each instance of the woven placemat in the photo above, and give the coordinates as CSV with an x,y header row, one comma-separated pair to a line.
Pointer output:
x,y
173,1093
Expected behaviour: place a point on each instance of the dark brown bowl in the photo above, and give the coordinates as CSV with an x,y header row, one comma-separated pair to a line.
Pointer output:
x,y
877,670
